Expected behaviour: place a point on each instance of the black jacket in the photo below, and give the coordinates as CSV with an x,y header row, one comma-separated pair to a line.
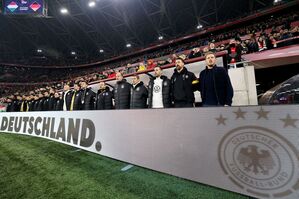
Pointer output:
x,y
87,99
139,96
222,86
35,105
40,104
46,104
16,106
77,100
52,102
9,107
183,85
58,105
31,105
122,94
104,100
166,94
67,99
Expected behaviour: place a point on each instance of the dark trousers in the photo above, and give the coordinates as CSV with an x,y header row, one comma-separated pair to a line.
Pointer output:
x,y
183,105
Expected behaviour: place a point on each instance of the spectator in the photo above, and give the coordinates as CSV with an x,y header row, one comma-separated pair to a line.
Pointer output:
x,y
182,83
215,85
295,31
151,64
194,53
130,69
112,74
205,50
141,67
212,47
285,34
252,45
159,90
261,44
173,58
139,94
244,48
234,52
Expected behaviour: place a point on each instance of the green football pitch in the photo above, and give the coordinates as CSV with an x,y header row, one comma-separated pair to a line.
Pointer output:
x,y
38,168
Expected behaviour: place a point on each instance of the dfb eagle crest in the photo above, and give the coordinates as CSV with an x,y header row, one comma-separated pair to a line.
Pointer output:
x,y
256,161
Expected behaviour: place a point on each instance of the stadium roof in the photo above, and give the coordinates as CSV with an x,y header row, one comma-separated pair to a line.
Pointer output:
x,y
94,33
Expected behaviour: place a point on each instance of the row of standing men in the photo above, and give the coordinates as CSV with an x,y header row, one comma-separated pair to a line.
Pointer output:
x,y
161,92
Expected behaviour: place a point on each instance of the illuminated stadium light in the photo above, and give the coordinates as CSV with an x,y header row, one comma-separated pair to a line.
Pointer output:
x,y
39,50
129,45
160,37
73,53
199,26
101,51
92,4
64,11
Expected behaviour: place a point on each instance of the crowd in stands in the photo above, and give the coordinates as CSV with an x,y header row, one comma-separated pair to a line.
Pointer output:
x,y
256,37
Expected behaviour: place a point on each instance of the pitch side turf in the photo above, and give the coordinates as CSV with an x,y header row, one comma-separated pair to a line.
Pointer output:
x,y
38,168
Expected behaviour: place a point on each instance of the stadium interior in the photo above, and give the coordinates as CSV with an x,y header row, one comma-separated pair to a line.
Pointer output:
x,y
51,44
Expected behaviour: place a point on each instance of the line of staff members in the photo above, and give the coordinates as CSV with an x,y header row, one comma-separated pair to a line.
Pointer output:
x,y
161,92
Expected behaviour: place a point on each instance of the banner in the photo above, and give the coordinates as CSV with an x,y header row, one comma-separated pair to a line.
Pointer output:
x,y
24,7
249,150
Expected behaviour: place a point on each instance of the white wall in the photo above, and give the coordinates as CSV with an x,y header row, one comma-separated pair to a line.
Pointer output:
x,y
244,84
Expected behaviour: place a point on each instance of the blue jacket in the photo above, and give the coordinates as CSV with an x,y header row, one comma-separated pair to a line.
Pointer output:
x,y
222,86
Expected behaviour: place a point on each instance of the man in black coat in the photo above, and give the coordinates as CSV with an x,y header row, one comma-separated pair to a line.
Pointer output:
x,y
139,94
76,98
30,102
58,105
183,84
67,97
87,96
51,99
35,102
104,98
122,92
159,95
215,85
46,101
18,103
9,107
40,102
